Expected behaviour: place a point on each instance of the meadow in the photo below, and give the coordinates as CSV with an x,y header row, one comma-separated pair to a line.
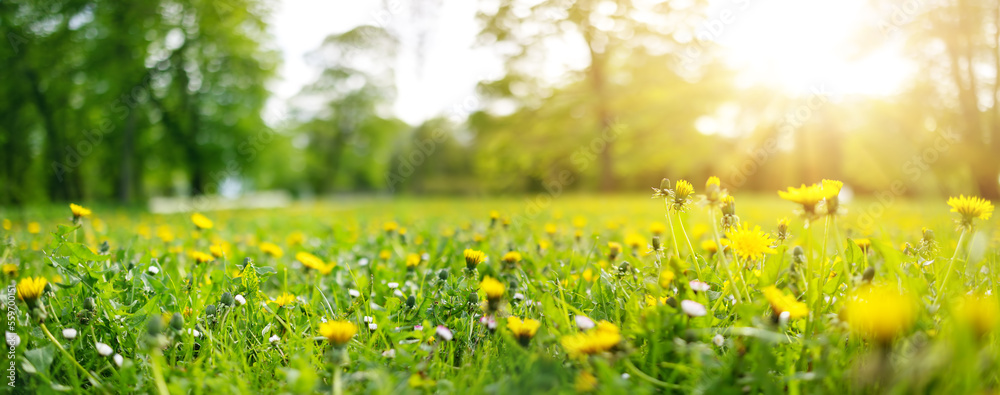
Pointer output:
x,y
810,293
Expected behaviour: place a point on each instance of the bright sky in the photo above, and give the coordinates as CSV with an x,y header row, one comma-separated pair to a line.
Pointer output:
x,y
794,45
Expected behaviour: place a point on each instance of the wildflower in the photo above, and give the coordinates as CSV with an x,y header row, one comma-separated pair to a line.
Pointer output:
x,y
216,251
749,244
709,246
30,289
728,207
338,333
354,293
979,313
9,270
13,339
314,262
390,226
384,255
693,309
444,333
583,322
699,286
390,353
273,339
494,291
34,228
551,229
657,228
718,340
681,194
579,222
588,275
831,192
879,313
473,258
807,196
664,191
284,300
103,349
393,285
585,382
201,257
512,257
634,241
412,260
666,277
713,189
118,360
614,248
296,239
79,211
782,303
201,222
153,270
864,244
524,330
970,208
7,225
69,333
271,249
240,300
603,338
783,229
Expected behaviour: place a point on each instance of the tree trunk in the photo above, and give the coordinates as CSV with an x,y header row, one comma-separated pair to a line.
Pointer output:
x,y
604,117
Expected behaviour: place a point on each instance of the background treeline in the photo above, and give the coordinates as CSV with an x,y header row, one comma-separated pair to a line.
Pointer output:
x,y
112,100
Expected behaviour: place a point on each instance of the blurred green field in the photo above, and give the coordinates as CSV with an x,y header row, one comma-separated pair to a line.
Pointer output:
x,y
400,265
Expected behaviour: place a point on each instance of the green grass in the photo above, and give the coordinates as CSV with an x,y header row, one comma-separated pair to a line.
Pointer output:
x,y
662,349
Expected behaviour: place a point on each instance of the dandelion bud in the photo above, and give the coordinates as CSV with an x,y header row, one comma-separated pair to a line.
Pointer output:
x,y
210,310
713,189
177,322
246,262
473,298
443,274
614,248
728,205
665,184
868,275
154,326
227,299
798,254
928,235
411,301
88,304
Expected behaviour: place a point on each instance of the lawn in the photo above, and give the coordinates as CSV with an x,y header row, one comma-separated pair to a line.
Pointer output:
x,y
534,294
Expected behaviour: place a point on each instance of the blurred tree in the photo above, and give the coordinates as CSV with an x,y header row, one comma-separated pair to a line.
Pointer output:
x,y
610,33
346,112
106,99
956,45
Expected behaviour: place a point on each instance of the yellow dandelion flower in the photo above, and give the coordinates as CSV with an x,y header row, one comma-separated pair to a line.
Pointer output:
x,y
314,262
782,303
579,222
864,244
666,278
271,249
588,275
30,289
412,260
749,244
585,382
880,313
551,229
831,188
494,289
284,299
544,244
979,312
807,196
338,333
164,233
473,258
7,225
614,248
634,240
604,337
657,228
512,257
524,330
9,270
34,228
494,215
79,211
201,257
201,222
390,226
970,208
296,239
384,255
709,246
216,250
682,190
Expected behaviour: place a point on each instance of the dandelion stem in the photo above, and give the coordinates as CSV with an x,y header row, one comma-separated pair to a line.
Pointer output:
x,y
722,256
951,266
93,380
694,258
673,235
161,385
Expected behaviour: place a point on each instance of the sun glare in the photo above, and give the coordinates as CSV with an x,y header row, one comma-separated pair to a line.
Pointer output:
x,y
797,45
